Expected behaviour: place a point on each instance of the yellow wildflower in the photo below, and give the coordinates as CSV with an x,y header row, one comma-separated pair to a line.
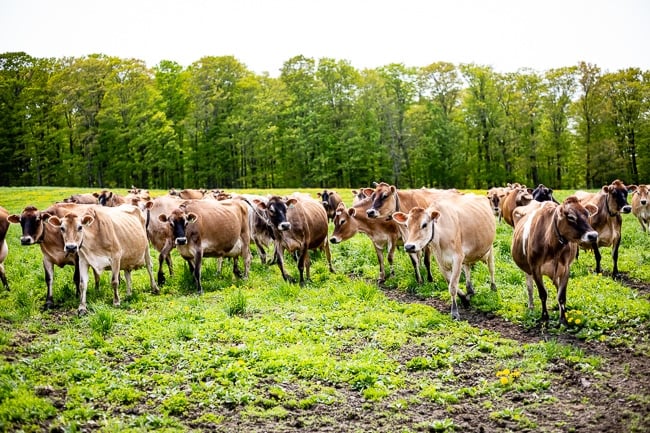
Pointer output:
x,y
504,380
578,321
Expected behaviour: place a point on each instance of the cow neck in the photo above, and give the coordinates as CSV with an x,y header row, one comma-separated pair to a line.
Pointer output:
x,y
41,238
607,206
560,238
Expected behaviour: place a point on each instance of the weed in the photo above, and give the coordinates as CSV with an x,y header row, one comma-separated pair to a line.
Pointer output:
x,y
102,320
236,303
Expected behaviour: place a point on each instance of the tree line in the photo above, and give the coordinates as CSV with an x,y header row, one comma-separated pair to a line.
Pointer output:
x,y
102,121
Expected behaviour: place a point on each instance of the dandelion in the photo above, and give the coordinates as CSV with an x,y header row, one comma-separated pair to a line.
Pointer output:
x,y
578,321
570,319
504,380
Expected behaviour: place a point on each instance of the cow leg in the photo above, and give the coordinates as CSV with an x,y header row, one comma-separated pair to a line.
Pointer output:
x,y
247,257
490,263
280,261
427,263
617,243
468,280
561,296
453,278
149,265
115,282
529,286
49,275
261,251
235,267
83,284
198,259
328,255
303,262
539,282
380,259
3,276
161,275
127,277
415,261
597,255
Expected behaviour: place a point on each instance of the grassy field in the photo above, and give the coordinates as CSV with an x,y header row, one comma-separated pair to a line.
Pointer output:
x,y
338,355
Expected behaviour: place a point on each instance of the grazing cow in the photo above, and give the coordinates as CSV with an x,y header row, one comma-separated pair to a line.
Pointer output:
x,y
211,228
330,201
543,193
545,243
518,196
35,230
82,199
109,198
112,238
495,196
160,233
299,224
4,250
611,201
460,230
385,234
189,194
640,207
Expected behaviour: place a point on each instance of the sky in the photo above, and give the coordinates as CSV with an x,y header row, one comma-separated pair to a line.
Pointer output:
x,y
263,34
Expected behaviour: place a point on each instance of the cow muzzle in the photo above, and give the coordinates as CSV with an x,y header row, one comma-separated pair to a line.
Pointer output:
x,y
372,213
410,248
181,241
644,202
284,226
334,240
626,209
26,240
71,248
590,237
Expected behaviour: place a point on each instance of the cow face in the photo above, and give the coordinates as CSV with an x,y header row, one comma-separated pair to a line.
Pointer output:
x,y
344,224
178,220
71,227
32,224
420,226
642,192
495,195
542,193
573,221
276,210
617,198
384,201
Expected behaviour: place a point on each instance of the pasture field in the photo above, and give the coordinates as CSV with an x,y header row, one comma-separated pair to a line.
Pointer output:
x,y
340,354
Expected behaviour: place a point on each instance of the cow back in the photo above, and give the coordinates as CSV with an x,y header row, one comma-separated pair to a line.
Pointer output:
x,y
309,224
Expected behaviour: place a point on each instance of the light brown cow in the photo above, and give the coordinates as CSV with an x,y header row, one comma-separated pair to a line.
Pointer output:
x,y
211,228
299,224
640,206
4,250
160,233
519,195
495,196
112,238
82,199
388,199
545,243
460,230
384,234
189,194
611,201
35,230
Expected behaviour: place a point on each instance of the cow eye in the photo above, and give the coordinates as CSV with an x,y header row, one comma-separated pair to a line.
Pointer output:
x,y
62,229
384,196
79,228
572,218
424,225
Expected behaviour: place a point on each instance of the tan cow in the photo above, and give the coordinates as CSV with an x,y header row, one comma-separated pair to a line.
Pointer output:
x,y
35,230
460,230
112,238
109,198
611,201
388,199
82,199
640,207
299,224
4,250
495,196
518,195
545,243
211,228
189,194
160,233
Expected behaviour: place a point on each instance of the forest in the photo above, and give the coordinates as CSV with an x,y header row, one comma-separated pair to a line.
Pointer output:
x,y
104,121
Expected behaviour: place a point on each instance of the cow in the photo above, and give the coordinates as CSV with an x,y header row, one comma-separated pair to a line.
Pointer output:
x,y
495,196
519,195
112,238
109,198
383,233
189,194
211,228
261,229
611,201
35,230
387,199
359,195
4,250
640,207
330,201
82,199
460,230
543,193
143,194
160,233
299,224
545,243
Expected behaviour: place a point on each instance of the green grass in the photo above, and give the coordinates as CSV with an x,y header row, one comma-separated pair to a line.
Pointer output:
x,y
267,348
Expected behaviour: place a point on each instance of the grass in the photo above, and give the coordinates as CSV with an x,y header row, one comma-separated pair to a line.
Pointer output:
x,y
268,349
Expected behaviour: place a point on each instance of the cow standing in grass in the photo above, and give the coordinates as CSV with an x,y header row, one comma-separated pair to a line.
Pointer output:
x,y
641,207
4,250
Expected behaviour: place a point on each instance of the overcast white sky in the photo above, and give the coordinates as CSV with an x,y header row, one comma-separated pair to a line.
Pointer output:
x,y
263,34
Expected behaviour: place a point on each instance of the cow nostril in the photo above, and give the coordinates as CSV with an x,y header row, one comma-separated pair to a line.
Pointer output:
x,y
26,241
334,240
626,209
181,241
71,248
409,247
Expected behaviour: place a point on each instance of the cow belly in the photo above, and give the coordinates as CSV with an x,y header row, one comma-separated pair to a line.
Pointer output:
x,y
230,248
98,262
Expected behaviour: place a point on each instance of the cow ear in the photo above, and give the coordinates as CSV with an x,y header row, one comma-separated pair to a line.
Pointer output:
x,y
434,214
192,217
631,188
592,209
400,217
54,221
291,202
148,204
368,191
340,207
162,218
606,189
393,189
14,219
319,194
87,220
260,204
352,212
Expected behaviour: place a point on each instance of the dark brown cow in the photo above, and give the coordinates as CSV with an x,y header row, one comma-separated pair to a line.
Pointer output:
x,y
109,198
82,199
299,224
4,250
189,194
330,201
211,228
384,234
611,201
35,230
545,243
112,238
460,230
640,207
519,195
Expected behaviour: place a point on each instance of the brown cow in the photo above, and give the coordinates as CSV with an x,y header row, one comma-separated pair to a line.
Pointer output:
x,y
112,238
109,198
160,233
384,234
545,243
611,200
330,201
35,230
495,196
189,194
82,199
460,230
211,228
388,199
519,195
4,250
299,224
640,207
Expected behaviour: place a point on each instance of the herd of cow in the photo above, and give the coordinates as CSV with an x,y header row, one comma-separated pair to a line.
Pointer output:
x,y
105,230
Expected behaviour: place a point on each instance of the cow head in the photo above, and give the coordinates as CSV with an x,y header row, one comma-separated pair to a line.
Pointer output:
x,y
72,226
345,225
495,195
572,221
32,223
543,193
178,219
384,201
104,197
419,223
617,197
642,191
276,211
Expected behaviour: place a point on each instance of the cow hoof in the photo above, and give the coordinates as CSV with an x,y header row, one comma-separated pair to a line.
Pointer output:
x,y
455,315
82,312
